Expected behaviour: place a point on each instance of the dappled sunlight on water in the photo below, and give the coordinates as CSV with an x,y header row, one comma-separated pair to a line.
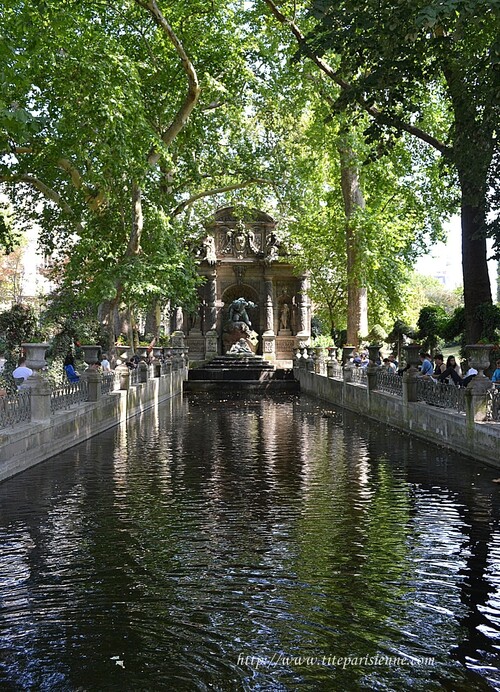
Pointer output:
x,y
250,543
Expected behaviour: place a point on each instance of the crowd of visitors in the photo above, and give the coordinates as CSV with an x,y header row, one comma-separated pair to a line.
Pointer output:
x,y
430,368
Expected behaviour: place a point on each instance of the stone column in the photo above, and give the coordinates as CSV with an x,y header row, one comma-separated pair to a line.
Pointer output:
x,y
268,335
410,375
142,372
124,375
304,306
94,381
40,398
211,346
371,377
38,386
269,306
211,315
475,399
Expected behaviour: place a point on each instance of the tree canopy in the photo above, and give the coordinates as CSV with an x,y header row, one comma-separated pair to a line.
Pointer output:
x,y
122,124
396,61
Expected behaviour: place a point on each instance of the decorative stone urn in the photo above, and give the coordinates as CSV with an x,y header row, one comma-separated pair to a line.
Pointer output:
x,y
412,357
35,356
90,353
332,354
142,352
373,351
478,356
123,352
347,352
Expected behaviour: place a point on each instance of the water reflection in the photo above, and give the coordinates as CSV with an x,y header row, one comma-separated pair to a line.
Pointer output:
x,y
205,545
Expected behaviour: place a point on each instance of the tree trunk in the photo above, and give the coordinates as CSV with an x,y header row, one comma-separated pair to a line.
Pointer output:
x,y
357,303
477,287
153,319
105,316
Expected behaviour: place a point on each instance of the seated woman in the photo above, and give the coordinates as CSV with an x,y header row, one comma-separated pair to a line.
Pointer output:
x,y
69,369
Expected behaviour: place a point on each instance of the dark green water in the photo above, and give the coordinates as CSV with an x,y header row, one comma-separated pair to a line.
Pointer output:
x,y
250,544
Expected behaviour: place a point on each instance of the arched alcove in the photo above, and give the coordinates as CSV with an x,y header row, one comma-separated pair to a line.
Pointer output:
x,y
248,293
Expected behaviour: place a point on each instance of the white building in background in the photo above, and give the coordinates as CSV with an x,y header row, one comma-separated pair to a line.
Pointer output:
x,y
444,262
35,281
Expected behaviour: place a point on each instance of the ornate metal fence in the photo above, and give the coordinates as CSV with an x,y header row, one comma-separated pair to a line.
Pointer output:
x,y
68,395
110,382
359,376
389,382
15,408
441,394
493,404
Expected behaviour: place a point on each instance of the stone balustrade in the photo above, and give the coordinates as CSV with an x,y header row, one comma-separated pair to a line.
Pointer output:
x,y
467,420
38,422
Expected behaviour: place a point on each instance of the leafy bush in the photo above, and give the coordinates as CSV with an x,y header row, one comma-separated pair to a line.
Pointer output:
x,y
454,325
431,322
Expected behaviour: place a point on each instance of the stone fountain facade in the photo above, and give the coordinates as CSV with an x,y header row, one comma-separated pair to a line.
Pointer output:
x,y
240,259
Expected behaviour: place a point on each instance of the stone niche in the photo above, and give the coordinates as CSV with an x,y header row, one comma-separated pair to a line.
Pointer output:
x,y
242,258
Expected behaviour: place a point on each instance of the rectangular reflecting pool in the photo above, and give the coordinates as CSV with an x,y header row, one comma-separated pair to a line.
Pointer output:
x,y
250,543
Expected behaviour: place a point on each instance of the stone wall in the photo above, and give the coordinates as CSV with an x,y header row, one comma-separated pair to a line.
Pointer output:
x,y
444,427
28,444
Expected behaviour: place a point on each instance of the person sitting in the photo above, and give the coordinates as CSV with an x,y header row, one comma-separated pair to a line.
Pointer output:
x,y
69,369
496,375
452,373
392,359
426,364
389,367
21,373
452,363
439,366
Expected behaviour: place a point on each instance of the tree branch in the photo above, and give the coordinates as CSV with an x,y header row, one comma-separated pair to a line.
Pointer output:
x,y
334,75
216,191
94,201
46,191
193,94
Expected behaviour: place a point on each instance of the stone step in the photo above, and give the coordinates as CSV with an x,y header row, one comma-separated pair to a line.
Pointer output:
x,y
266,386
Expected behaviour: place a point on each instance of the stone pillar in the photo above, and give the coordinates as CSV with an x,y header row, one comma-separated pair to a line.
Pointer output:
x,y
475,399
304,305
124,375
269,307
211,316
177,340
211,338
410,375
94,382
142,372
371,377
269,347
40,398
211,349
310,359
347,372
